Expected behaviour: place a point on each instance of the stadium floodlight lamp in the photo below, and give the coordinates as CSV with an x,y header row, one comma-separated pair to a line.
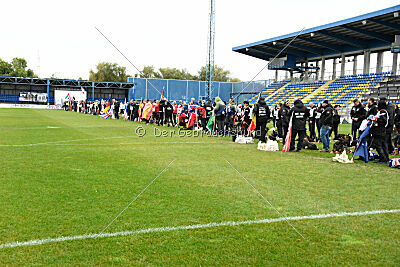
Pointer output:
x,y
396,14
274,43
247,50
364,22
312,34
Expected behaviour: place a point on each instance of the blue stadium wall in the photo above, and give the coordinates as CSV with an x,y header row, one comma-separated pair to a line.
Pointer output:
x,y
185,90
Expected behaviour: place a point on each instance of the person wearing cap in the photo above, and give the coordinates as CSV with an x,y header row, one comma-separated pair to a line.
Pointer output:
x,y
326,122
378,132
299,114
357,114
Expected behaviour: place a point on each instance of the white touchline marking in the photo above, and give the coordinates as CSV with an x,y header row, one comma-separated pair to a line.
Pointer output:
x,y
60,143
190,227
65,141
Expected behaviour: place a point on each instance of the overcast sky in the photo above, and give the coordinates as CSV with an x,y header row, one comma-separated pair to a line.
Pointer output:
x,y
59,36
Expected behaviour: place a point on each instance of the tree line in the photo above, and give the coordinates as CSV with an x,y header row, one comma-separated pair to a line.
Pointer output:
x,y
112,72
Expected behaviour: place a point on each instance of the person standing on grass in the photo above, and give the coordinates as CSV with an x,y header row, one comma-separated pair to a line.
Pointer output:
x,y
311,120
279,120
262,113
168,113
389,128
335,121
299,114
378,132
219,111
326,122
357,114
285,118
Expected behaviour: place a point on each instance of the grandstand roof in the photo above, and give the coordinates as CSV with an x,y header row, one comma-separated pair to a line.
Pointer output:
x,y
372,31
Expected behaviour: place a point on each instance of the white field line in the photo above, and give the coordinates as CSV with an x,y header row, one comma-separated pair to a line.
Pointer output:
x,y
62,142
191,227
65,141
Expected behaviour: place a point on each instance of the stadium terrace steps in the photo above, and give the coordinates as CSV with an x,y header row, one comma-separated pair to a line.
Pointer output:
x,y
346,88
276,92
268,91
294,91
322,87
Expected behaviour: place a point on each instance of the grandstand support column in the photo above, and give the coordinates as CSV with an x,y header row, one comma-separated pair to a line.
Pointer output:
x,y
343,65
379,61
276,75
291,75
323,68
394,65
316,70
355,65
48,92
334,69
286,75
367,55
306,71
92,91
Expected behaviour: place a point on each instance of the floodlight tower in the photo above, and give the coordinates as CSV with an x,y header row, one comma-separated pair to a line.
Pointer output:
x,y
210,52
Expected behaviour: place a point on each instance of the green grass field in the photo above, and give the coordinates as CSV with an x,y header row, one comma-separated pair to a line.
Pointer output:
x,y
81,171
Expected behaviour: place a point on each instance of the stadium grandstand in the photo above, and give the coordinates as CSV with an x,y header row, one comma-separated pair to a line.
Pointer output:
x,y
303,57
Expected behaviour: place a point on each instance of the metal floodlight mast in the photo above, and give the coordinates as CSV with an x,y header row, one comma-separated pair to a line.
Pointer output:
x,y
210,52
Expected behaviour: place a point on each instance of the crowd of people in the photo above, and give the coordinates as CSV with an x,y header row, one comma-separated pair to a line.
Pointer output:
x,y
308,124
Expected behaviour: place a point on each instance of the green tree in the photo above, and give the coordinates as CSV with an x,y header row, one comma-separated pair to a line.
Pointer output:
x,y
5,68
220,75
149,72
174,73
16,68
109,72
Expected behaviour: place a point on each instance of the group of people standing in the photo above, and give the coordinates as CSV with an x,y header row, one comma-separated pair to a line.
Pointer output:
x,y
384,135
322,120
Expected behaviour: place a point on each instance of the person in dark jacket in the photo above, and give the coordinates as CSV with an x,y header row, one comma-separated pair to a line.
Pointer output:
x,y
246,117
312,109
372,107
335,121
285,118
396,136
161,112
357,114
168,113
389,128
326,122
116,109
378,131
318,120
279,120
299,114
262,113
